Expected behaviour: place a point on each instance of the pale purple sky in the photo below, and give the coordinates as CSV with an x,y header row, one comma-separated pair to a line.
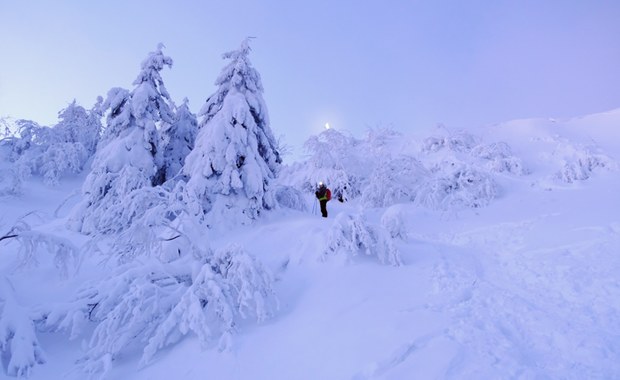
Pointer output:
x,y
355,64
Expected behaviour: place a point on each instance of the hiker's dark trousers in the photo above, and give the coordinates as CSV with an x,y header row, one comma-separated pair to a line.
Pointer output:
x,y
323,207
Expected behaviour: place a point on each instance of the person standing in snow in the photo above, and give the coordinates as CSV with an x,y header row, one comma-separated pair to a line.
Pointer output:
x,y
323,194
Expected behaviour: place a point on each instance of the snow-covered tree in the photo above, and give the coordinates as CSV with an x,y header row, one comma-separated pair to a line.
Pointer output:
x,y
329,152
334,159
151,305
56,151
129,155
178,139
393,180
456,185
78,125
235,158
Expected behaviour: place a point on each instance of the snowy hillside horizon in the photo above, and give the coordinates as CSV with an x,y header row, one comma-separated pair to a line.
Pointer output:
x,y
486,253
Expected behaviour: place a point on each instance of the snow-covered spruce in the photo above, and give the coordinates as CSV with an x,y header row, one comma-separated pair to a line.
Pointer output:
x,y
351,235
235,158
129,156
18,341
178,140
151,305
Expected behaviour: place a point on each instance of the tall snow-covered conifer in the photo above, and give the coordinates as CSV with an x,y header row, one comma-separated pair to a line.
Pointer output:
x,y
129,155
235,157
179,138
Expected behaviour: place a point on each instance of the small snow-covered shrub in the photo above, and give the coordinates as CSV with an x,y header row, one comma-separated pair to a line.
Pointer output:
x,y
581,163
499,158
18,339
456,142
289,197
456,185
392,222
351,235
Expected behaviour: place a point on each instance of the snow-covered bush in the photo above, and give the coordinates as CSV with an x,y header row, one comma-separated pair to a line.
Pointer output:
x,y
54,152
459,141
235,158
456,185
392,222
352,234
129,156
289,197
18,340
393,180
10,181
499,158
382,140
7,129
579,163
78,125
151,305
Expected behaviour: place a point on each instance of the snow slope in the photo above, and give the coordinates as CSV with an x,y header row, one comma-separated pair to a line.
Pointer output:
x,y
526,287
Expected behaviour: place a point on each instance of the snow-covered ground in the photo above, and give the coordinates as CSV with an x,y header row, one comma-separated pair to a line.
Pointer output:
x,y
526,287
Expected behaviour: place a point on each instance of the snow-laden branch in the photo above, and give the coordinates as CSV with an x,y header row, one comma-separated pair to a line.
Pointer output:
x,y
18,340
65,253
